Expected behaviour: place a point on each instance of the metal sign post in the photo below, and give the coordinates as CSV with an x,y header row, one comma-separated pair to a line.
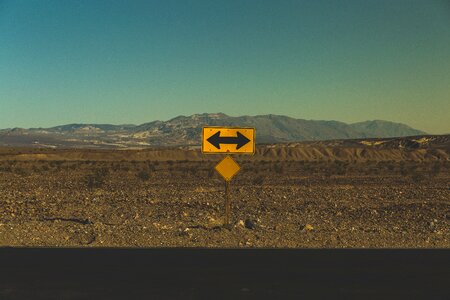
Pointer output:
x,y
228,140
227,168
227,203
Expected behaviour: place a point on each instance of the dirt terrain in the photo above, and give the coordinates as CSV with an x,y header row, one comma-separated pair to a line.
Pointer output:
x,y
174,198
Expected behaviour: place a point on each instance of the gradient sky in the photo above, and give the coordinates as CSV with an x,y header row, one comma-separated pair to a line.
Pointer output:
x,y
136,61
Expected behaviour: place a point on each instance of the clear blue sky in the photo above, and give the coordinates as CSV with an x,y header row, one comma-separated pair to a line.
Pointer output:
x,y
136,61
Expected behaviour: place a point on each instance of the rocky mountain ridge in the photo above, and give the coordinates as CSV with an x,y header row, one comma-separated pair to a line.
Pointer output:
x,y
186,130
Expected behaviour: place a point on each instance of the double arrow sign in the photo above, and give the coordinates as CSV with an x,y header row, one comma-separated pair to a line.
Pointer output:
x,y
239,140
229,140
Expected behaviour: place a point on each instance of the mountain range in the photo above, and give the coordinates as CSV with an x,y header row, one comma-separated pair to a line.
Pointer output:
x,y
186,131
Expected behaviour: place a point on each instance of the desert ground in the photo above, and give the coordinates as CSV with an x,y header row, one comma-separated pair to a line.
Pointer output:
x,y
284,196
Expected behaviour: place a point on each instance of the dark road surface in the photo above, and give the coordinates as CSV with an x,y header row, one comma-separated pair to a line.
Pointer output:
x,y
223,274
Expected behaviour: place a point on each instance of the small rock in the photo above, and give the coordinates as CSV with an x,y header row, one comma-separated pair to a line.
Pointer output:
x,y
240,223
249,224
307,227
186,232
214,222
432,225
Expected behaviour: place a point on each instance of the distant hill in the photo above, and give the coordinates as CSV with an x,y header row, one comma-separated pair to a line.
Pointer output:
x,y
419,148
378,128
186,130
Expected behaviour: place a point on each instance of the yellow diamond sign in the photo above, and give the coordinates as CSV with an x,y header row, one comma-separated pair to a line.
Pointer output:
x,y
227,168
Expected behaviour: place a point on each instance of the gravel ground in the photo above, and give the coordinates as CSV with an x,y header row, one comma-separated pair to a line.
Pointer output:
x,y
181,204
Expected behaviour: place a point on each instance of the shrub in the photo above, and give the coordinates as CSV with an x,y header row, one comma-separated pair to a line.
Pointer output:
x,y
143,175
96,179
340,168
151,167
21,171
7,169
391,167
278,168
436,169
403,170
417,177
258,180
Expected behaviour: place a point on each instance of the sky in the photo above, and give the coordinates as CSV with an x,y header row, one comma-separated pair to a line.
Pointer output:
x,y
131,62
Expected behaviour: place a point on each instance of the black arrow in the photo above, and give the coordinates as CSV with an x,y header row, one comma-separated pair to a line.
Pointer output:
x,y
240,140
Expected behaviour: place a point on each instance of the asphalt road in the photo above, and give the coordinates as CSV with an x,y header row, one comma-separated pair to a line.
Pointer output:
x,y
223,274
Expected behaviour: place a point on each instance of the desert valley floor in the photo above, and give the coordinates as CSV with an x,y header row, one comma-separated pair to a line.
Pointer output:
x,y
327,197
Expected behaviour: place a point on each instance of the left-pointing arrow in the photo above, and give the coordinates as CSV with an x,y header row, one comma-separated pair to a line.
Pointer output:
x,y
240,140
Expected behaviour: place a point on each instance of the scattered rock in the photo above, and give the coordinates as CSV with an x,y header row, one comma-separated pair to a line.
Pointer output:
x,y
307,227
186,232
213,223
87,238
432,225
249,224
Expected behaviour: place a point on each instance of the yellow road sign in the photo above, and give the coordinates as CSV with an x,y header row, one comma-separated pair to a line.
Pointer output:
x,y
232,140
227,168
